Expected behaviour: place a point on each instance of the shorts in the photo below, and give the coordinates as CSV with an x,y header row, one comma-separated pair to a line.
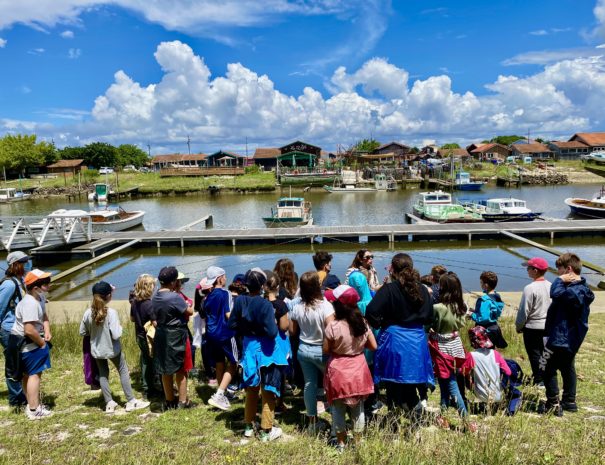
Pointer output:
x,y
35,361
218,350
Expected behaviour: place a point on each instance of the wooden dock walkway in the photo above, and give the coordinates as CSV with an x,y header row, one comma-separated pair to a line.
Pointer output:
x,y
387,233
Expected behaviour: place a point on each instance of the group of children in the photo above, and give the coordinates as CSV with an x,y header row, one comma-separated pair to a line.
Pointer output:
x,y
267,324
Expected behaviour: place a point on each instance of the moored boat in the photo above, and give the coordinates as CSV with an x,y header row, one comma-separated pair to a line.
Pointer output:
x,y
450,213
100,194
463,182
593,208
307,178
290,212
431,198
501,209
107,220
11,194
381,183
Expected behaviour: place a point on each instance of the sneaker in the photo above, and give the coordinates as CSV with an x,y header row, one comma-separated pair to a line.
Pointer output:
x,y
250,429
231,395
212,382
185,405
321,407
289,389
111,406
170,405
547,408
136,404
339,448
40,412
271,435
569,406
219,401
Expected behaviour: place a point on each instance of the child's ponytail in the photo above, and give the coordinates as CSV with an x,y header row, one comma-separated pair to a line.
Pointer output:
x,y
98,308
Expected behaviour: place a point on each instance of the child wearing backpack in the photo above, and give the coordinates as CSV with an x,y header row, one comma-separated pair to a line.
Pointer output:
x,y
489,308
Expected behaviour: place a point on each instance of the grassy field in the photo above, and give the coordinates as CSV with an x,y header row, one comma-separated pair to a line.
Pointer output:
x,y
80,432
152,183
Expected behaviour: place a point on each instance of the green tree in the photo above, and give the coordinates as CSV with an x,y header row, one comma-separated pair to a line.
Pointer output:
x,y
451,145
506,140
18,152
366,145
99,154
48,152
73,153
128,154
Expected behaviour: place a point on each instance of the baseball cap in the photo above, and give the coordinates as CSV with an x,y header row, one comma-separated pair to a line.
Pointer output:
x,y
331,282
255,276
16,256
35,275
182,278
537,262
168,274
204,286
343,293
479,339
239,278
102,288
213,273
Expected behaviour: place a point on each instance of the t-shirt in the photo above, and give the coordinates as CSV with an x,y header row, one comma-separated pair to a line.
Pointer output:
x,y
168,308
311,320
217,304
104,337
29,310
141,312
342,342
280,308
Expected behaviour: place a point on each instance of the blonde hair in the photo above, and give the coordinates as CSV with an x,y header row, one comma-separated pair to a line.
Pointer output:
x,y
98,308
144,287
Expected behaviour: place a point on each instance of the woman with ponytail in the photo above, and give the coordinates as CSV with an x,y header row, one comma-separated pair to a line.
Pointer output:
x,y
399,310
102,325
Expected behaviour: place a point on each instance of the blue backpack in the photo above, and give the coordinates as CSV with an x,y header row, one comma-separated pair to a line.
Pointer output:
x,y
489,312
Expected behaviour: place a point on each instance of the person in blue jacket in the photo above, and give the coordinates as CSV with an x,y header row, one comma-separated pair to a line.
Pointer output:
x,y
12,290
565,329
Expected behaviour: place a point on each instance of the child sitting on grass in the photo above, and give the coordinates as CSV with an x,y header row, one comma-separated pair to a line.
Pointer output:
x,y
489,308
347,380
102,324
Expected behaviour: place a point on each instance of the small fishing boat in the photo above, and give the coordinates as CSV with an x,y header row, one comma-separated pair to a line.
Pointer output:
x,y
431,198
381,183
450,213
290,212
107,220
463,182
300,177
11,194
593,208
501,209
100,194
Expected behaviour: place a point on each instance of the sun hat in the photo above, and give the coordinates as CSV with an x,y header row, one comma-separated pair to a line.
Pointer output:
x,y
35,275
479,339
168,274
16,256
213,273
203,284
181,277
343,293
103,288
537,262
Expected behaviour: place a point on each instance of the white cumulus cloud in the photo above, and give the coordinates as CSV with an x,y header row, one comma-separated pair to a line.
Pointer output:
x,y
67,34
2,42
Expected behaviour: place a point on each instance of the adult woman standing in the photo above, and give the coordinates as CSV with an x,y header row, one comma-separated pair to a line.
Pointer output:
x,y
171,337
364,264
308,319
400,309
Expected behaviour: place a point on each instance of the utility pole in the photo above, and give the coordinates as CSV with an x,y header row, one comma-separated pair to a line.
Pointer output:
x,y
189,144
149,149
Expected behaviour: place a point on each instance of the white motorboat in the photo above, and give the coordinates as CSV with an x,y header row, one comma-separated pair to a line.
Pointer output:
x,y
11,194
107,220
501,209
431,198
592,208
290,212
350,184
100,194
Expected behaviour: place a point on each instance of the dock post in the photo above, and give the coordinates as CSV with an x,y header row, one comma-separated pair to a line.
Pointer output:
x,y
470,235
209,221
391,238
552,237
233,242
182,244
158,244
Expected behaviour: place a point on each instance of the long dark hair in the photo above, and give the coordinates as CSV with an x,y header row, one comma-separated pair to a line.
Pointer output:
x,y
358,260
310,289
402,271
450,293
284,269
352,315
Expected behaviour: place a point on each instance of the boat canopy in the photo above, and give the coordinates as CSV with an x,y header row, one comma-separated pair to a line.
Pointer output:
x,y
290,202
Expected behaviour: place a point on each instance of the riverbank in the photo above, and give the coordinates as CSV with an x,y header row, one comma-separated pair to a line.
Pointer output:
x,y
72,310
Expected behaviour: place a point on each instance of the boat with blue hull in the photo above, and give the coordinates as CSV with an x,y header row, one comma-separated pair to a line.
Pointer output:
x,y
593,208
501,209
463,182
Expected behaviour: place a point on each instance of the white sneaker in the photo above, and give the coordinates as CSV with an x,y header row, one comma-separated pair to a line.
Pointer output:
x,y
219,401
136,404
273,434
40,412
111,406
250,429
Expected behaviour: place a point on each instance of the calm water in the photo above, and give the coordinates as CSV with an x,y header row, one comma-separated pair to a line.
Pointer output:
x,y
245,211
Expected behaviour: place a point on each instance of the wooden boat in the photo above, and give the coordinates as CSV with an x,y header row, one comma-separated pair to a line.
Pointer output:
x,y
300,177
290,212
594,208
450,213
381,183
11,194
501,209
431,198
463,182
107,220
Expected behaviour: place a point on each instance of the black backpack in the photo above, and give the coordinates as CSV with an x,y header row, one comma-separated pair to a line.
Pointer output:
x,y
12,303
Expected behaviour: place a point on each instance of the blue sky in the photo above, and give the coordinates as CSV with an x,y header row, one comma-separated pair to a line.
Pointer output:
x,y
326,71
